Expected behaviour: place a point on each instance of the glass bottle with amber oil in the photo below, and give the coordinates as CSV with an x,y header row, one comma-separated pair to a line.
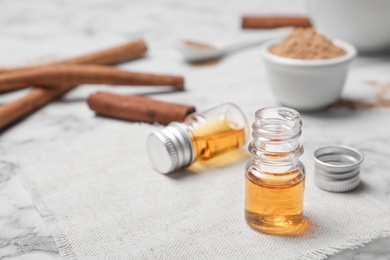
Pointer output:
x,y
274,185
201,136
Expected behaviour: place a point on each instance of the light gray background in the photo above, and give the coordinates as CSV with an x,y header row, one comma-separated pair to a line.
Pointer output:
x,y
43,30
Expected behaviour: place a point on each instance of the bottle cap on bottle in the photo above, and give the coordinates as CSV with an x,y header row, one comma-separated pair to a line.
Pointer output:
x,y
170,148
337,168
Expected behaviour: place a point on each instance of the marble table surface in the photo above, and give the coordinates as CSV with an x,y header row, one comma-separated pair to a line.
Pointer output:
x,y
42,31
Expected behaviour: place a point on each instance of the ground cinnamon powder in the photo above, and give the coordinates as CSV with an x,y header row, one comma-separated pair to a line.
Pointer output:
x,y
307,44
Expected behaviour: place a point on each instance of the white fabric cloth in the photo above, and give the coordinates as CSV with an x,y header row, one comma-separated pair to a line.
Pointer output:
x,y
103,200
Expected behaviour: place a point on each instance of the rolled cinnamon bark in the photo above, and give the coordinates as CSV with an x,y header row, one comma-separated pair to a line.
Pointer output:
x,y
115,55
269,22
111,56
136,108
60,75
27,104
38,97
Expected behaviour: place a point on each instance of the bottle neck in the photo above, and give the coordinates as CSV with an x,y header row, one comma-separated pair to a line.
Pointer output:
x,y
275,146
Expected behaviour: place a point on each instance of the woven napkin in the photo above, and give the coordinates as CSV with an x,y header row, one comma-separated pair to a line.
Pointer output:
x,y
101,199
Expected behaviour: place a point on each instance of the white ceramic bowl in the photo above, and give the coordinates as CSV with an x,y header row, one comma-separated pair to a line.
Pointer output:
x,y
363,23
307,85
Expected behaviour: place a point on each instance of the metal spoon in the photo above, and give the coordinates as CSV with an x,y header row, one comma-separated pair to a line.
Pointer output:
x,y
197,52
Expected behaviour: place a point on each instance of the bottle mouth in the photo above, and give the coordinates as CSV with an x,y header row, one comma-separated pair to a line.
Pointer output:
x,y
277,124
285,113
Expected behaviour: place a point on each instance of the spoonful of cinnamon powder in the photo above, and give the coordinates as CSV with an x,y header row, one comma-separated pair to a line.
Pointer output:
x,y
307,44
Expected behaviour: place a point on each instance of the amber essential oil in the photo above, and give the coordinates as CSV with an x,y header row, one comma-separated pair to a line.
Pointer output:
x,y
217,138
273,206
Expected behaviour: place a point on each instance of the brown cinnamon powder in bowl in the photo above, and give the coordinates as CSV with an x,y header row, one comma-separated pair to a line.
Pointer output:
x,y
307,44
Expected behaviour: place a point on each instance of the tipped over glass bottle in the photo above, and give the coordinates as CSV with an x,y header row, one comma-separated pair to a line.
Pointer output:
x,y
201,136
274,185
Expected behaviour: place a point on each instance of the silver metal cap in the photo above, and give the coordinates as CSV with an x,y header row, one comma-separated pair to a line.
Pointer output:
x,y
337,168
170,148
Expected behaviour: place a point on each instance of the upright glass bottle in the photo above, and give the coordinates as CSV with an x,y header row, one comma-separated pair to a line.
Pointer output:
x,y
275,176
201,136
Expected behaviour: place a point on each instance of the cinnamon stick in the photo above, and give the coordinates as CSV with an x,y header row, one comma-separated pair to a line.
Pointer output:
x,y
136,108
59,75
270,22
38,97
35,99
115,55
